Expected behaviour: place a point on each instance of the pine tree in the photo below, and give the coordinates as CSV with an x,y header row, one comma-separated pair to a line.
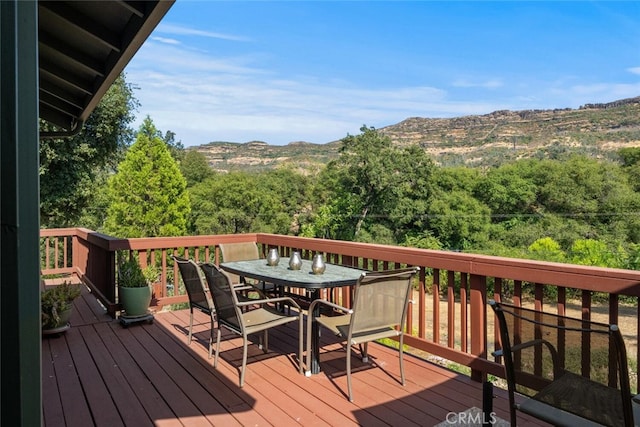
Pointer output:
x,y
148,193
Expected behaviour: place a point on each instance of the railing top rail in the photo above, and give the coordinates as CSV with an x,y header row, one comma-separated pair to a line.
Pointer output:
x,y
599,279
178,242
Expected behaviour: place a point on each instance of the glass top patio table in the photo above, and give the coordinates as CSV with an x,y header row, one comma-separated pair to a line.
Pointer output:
x,y
281,275
333,276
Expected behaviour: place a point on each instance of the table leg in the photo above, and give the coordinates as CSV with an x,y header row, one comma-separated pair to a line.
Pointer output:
x,y
315,335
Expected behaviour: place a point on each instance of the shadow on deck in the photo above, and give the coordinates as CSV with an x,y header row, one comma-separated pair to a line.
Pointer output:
x,y
100,373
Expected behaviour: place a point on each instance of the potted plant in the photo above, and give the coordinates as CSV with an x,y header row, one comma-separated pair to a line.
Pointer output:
x,y
134,287
56,304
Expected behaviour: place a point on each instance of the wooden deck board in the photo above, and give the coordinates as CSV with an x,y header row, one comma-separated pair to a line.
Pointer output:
x,y
74,404
53,413
141,396
100,373
88,368
124,400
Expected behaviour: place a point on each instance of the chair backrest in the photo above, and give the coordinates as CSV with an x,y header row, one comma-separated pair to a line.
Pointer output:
x,y
582,348
224,297
194,283
242,251
380,300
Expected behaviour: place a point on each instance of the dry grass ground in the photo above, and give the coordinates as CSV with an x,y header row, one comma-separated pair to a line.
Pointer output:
x,y
628,320
628,323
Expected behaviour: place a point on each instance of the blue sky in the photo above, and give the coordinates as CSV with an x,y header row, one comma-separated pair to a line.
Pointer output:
x,y
316,71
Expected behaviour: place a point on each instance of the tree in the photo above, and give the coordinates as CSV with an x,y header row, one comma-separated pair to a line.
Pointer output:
x,y
240,202
176,149
148,195
507,192
194,168
630,157
231,203
374,187
593,252
368,172
457,220
546,249
69,166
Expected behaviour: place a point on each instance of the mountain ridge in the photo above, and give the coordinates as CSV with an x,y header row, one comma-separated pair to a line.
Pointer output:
x,y
475,140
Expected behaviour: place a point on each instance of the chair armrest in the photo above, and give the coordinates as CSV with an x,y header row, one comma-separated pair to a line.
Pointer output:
x,y
284,299
250,289
330,304
268,300
539,342
531,343
522,346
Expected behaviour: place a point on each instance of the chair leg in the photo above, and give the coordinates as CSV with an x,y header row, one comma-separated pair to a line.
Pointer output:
x,y
266,341
364,349
349,372
211,336
401,359
300,339
308,360
244,360
190,326
215,360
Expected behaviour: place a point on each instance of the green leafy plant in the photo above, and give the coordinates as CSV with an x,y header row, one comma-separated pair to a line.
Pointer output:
x,y
55,301
130,275
151,274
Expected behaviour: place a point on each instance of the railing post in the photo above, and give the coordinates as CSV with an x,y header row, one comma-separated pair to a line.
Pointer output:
x,y
98,265
478,288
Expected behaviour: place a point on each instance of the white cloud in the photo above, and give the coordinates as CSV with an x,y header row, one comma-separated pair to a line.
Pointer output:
x,y
487,84
205,98
610,91
187,31
165,40
240,108
634,70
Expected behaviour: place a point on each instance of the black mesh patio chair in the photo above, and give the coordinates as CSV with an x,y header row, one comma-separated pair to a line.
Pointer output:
x,y
565,371
262,317
198,293
378,311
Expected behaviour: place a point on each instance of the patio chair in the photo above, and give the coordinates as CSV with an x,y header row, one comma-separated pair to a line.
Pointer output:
x,y
566,371
229,314
379,311
244,251
199,296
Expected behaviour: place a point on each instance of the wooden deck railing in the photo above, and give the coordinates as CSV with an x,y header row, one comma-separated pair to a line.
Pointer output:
x,y
462,282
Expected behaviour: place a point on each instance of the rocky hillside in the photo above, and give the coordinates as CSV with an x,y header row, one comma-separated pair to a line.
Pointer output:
x,y
490,139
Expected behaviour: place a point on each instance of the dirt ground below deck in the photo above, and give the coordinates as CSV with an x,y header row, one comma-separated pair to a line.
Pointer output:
x,y
628,320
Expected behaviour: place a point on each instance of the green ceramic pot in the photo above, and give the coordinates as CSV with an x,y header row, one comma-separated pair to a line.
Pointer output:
x,y
135,301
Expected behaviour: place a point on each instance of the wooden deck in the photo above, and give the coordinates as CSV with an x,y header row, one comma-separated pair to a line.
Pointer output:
x,y
100,373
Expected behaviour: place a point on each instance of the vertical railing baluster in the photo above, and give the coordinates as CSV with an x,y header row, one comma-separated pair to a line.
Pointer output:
x,y
478,296
613,320
562,311
451,312
435,290
463,312
586,337
56,254
497,296
422,308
